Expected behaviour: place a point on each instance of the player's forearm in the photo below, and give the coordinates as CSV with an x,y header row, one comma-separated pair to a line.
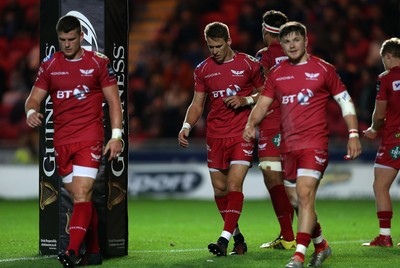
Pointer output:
x,y
257,115
115,110
193,115
351,122
31,104
377,123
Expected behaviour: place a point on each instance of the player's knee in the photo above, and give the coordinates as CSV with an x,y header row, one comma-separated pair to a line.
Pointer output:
x,y
271,165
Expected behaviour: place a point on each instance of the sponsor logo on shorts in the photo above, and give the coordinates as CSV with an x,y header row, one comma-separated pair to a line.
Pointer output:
x,y
248,152
95,157
395,152
277,140
262,146
320,161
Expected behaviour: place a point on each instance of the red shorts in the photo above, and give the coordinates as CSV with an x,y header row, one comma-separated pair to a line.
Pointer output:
x,y
388,155
312,159
85,154
222,152
269,141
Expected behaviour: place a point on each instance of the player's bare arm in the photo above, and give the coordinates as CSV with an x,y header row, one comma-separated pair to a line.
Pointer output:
x,y
349,115
193,114
353,145
257,114
32,107
114,145
378,119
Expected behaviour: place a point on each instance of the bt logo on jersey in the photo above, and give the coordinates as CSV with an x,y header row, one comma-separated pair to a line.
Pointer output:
x,y
79,92
231,90
302,97
288,99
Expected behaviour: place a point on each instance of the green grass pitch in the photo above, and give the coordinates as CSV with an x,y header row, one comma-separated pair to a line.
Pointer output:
x,y
175,233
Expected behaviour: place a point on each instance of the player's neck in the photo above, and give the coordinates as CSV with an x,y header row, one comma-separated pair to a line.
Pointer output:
x,y
301,60
230,55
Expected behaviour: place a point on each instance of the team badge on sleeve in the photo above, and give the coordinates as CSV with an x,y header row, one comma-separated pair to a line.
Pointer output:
x,y
396,85
48,57
252,58
100,55
378,85
111,71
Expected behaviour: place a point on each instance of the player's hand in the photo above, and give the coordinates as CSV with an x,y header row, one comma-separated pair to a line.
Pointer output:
x,y
114,147
182,137
353,148
249,133
235,102
370,133
34,119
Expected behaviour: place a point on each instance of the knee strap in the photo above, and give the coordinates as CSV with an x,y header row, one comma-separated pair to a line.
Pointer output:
x,y
271,165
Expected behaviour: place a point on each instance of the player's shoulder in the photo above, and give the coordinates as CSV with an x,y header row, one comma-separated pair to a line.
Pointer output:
x,y
52,56
97,55
322,63
391,74
203,63
383,75
261,52
246,57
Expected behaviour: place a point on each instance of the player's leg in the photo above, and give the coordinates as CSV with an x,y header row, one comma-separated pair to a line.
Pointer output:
x,y
272,174
309,174
80,190
306,190
85,164
233,154
82,211
92,255
384,177
234,197
219,183
237,173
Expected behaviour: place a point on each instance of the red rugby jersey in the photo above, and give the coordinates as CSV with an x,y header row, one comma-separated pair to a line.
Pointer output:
x,y
75,87
303,91
238,76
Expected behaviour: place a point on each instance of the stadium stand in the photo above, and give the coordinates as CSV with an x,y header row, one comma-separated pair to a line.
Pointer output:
x,y
166,43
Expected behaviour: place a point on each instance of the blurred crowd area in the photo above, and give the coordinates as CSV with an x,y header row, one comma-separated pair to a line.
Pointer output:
x,y
19,62
346,33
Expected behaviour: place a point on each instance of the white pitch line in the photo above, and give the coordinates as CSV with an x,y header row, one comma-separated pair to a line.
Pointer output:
x,y
27,258
201,249
155,251
171,250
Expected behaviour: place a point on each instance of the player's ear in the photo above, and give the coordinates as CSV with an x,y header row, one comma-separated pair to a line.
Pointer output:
x,y
229,41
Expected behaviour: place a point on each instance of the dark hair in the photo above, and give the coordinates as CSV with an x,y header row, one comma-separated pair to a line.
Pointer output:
x,y
391,46
274,18
215,30
290,27
68,23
